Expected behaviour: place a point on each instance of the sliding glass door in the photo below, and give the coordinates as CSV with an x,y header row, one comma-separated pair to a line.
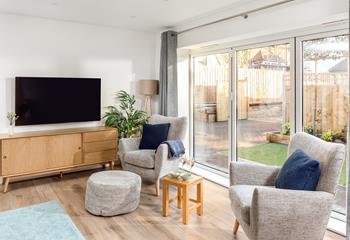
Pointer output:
x,y
211,110
277,89
325,94
263,103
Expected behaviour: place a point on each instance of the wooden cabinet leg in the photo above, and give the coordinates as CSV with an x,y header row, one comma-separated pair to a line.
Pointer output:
x,y
185,209
235,227
6,183
200,198
112,165
165,199
157,187
179,197
61,175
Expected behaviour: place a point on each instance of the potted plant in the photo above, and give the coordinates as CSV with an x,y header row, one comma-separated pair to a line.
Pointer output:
x,y
11,117
126,118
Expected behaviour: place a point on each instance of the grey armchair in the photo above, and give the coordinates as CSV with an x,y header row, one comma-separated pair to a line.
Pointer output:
x,y
152,165
267,213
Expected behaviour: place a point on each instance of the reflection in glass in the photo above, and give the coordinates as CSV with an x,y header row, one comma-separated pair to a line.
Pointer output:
x,y
263,104
211,110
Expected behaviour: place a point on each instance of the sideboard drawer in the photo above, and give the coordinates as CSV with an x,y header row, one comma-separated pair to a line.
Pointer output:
x,y
103,156
100,146
100,136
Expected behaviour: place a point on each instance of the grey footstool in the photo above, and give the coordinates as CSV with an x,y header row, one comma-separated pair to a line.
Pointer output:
x,y
110,193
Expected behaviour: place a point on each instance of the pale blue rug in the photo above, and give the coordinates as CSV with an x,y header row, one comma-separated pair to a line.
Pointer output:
x,y
38,222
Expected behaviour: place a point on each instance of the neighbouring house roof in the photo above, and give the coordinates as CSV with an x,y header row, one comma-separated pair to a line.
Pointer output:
x,y
269,61
340,67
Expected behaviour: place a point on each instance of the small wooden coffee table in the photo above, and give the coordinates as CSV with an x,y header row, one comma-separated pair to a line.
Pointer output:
x,y
182,197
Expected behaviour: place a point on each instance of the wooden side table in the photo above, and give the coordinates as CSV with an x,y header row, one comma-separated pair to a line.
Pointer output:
x,y
182,197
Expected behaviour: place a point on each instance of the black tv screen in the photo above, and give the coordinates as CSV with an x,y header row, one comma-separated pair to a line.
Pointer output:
x,y
45,100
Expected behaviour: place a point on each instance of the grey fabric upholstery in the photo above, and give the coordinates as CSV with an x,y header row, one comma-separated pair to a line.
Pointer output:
x,y
267,213
330,155
110,193
142,158
138,161
241,197
177,128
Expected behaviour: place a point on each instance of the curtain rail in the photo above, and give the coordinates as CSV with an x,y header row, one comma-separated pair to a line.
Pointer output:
x,y
243,14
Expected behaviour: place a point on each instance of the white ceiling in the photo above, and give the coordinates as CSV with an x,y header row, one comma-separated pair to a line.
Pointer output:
x,y
146,15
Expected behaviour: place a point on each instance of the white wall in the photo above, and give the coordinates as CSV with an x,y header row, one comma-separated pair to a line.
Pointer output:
x,y
287,18
41,47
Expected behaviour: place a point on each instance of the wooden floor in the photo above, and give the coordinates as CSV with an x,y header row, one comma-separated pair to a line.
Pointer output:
x,y
145,223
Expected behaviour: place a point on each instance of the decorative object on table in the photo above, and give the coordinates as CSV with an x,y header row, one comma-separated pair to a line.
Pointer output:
x,y
127,119
111,193
181,175
151,164
182,197
12,117
176,148
148,88
40,221
187,165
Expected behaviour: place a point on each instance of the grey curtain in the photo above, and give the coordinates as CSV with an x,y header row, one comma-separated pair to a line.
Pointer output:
x,y
168,74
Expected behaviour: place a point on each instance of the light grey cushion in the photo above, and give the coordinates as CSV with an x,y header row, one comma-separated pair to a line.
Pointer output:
x,y
241,200
142,158
177,128
110,193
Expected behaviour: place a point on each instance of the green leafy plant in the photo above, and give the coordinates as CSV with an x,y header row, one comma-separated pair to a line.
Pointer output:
x,y
309,129
328,136
286,128
12,117
126,118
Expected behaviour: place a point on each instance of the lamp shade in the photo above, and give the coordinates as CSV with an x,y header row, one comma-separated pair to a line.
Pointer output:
x,y
148,87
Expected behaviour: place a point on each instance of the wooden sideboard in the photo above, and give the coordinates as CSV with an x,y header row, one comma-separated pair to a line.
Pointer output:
x,y
31,153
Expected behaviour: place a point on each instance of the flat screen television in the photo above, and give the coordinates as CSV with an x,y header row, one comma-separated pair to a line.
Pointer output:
x,y
45,100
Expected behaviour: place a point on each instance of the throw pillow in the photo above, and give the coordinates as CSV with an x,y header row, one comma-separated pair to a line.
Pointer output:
x,y
154,135
299,172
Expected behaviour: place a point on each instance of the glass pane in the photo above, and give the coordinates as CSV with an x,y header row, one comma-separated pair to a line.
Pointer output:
x,y
211,110
326,94
263,104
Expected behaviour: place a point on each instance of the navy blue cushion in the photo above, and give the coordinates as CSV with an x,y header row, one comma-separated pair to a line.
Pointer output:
x,y
154,135
299,172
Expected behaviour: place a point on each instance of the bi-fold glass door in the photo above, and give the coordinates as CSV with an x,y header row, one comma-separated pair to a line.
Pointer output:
x,y
211,90
323,61
263,102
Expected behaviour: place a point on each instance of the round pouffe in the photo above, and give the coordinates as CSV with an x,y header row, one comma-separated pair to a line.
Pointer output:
x,y
111,193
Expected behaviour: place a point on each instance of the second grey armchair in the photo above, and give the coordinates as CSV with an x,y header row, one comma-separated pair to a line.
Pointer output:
x,y
152,165
267,213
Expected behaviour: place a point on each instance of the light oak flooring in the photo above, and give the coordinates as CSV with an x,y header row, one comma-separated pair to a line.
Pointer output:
x,y
146,222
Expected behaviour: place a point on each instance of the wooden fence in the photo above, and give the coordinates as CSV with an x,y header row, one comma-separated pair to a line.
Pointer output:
x,y
211,87
325,101
325,96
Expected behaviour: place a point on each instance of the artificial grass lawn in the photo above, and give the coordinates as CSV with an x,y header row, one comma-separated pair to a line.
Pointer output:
x,y
274,154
